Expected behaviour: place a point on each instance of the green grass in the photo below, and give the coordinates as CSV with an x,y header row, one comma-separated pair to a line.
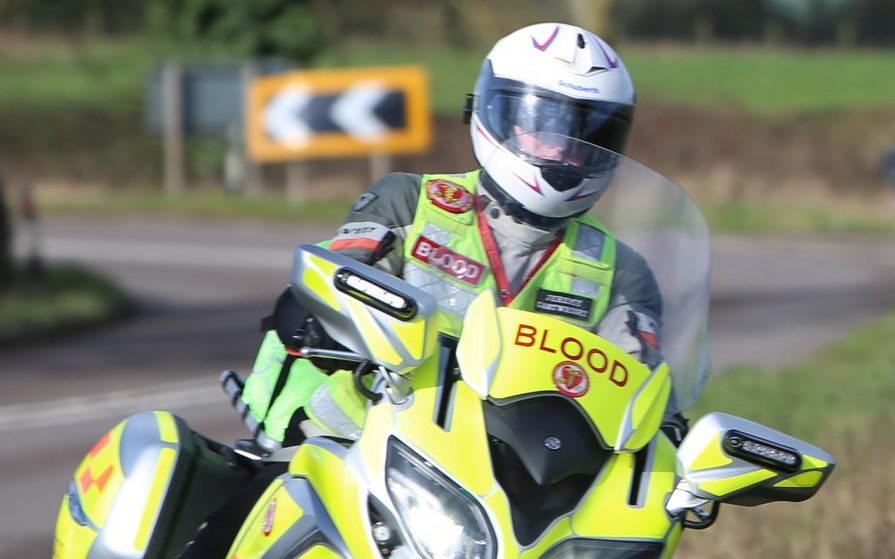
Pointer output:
x,y
63,299
730,217
765,79
68,75
841,400
754,78
848,386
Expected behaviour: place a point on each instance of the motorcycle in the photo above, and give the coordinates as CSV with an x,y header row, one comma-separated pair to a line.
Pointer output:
x,y
518,435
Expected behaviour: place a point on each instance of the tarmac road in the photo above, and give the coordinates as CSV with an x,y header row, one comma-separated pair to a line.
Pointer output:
x,y
202,288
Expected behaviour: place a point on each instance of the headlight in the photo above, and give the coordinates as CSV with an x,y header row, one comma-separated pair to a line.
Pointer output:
x,y
442,520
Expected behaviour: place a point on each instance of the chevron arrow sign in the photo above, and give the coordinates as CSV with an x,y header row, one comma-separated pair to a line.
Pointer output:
x,y
338,113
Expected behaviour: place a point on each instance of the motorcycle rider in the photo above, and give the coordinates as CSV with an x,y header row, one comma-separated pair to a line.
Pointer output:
x,y
516,226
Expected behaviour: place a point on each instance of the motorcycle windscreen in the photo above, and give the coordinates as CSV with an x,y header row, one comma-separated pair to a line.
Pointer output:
x,y
645,211
656,218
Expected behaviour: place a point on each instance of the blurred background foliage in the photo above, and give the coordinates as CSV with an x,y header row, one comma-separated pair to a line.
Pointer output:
x,y
806,84
294,28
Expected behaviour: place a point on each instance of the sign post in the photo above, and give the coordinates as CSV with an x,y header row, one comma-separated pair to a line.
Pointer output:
x,y
338,113
172,125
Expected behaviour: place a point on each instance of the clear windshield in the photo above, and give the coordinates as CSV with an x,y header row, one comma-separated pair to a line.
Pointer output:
x,y
657,219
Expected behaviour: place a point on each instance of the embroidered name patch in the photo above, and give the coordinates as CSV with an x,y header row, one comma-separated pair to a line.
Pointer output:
x,y
448,196
452,263
563,304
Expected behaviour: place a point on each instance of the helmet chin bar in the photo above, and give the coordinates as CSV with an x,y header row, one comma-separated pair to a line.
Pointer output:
x,y
515,210
562,177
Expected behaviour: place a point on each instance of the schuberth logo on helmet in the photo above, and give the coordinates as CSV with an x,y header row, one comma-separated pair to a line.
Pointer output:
x,y
448,196
570,378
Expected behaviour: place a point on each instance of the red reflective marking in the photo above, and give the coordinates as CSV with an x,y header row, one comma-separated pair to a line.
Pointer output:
x,y
543,46
87,479
649,338
100,444
363,243
534,186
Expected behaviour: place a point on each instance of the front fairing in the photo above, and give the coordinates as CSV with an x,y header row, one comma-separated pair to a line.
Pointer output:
x,y
508,356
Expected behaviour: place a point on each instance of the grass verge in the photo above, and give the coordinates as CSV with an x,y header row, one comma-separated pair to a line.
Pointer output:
x,y
840,399
67,298
751,218
757,78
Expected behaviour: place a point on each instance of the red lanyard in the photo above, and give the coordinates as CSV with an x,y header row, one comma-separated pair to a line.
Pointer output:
x,y
500,275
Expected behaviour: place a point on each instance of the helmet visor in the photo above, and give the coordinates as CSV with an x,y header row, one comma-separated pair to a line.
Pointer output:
x,y
511,113
550,150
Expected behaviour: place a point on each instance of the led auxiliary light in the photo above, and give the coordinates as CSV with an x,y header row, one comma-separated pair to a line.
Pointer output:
x,y
762,452
375,294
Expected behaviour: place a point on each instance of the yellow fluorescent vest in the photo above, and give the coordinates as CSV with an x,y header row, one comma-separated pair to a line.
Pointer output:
x,y
445,255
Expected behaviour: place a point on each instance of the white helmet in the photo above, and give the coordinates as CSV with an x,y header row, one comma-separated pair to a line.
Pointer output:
x,y
550,82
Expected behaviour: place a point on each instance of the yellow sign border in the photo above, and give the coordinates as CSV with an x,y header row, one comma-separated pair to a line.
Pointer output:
x,y
415,137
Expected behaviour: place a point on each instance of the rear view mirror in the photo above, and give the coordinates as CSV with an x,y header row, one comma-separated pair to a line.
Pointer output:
x,y
729,459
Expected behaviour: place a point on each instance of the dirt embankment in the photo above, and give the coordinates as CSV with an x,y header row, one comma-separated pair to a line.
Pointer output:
x,y
722,153
751,155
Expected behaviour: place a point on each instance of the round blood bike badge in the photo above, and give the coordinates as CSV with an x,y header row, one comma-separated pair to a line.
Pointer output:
x,y
571,379
449,196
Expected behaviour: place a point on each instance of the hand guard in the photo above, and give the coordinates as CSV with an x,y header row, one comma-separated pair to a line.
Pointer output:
x,y
297,328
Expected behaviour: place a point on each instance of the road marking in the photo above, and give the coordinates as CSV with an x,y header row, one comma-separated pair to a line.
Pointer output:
x,y
115,404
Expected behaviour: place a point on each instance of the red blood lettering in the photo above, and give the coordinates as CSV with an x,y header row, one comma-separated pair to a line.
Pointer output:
x,y
619,374
602,367
528,334
544,341
576,345
423,248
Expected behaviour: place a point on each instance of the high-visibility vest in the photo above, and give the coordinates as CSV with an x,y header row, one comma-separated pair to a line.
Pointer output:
x,y
445,255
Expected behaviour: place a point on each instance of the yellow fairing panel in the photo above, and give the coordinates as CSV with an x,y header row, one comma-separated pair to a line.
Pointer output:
x,y
375,337
478,353
318,278
461,448
99,477
729,485
608,510
336,485
811,475
270,518
542,354
319,552
72,540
